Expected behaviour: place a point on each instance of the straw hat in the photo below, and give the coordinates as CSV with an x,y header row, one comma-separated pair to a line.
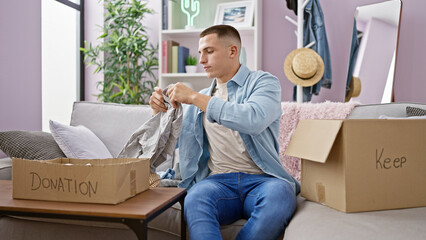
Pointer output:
x,y
304,67
354,88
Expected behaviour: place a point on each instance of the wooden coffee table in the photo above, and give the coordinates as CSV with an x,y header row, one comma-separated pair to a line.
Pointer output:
x,y
135,212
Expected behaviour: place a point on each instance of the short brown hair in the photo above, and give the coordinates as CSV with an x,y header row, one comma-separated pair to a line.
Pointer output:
x,y
222,31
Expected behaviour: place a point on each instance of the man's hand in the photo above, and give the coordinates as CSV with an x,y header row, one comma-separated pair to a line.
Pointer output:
x,y
156,101
179,93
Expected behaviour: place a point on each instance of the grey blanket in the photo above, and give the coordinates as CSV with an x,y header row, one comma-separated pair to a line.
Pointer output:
x,y
157,137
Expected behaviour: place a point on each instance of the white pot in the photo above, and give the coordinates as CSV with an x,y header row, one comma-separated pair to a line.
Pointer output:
x,y
190,69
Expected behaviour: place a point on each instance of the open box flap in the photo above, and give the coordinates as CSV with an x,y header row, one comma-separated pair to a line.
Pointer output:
x,y
313,139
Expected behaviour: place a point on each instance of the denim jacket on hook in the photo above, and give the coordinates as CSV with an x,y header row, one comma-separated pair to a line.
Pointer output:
x,y
314,30
353,56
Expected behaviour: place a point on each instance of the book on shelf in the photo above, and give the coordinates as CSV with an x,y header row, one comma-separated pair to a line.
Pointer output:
x,y
183,53
165,14
175,17
179,54
175,59
166,61
170,6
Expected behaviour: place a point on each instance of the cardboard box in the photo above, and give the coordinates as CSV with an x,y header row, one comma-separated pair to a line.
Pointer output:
x,y
359,165
107,181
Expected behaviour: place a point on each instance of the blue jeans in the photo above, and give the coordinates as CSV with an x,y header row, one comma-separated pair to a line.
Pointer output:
x,y
268,203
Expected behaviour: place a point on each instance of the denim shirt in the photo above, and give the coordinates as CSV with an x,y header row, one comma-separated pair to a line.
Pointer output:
x,y
253,109
353,56
314,30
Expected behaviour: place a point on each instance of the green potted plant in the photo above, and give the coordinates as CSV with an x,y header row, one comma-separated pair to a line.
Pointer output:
x,y
191,64
125,57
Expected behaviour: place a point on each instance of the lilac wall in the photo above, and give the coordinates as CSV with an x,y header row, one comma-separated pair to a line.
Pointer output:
x,y
279,39
93,17
410,80
20,65
20,58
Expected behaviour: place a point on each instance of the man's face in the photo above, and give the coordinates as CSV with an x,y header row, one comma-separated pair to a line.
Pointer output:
x,y
214,56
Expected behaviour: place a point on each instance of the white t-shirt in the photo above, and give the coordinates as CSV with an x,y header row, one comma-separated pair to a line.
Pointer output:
x,y
227,150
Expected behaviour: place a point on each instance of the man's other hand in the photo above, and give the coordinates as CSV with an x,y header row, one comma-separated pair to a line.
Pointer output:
x,y
156,101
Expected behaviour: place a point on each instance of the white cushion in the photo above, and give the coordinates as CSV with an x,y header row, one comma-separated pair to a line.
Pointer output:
x,y
78,142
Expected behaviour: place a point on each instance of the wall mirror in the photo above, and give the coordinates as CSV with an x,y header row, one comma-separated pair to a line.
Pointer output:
x,y
373,52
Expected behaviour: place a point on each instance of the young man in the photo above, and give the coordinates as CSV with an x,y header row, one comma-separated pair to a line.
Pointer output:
x,y
228,145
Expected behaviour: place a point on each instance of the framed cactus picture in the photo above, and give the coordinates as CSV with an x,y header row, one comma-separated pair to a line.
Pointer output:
x,y
237,14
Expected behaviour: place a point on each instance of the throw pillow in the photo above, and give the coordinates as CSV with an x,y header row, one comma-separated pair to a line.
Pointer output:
x,y
413,111
78,142
29,145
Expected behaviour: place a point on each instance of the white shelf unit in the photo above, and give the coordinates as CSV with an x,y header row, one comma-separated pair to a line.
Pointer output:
x,y
251,40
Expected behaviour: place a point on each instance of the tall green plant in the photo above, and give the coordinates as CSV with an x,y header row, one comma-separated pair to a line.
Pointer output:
x,y
125,56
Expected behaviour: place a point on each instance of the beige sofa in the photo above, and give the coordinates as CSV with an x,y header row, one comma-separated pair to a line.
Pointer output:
x,y
114,123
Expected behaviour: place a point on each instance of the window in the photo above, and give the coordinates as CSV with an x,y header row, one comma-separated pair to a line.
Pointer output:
x,y
62,65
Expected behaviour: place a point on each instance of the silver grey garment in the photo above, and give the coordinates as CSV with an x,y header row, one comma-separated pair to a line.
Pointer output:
x,y
169,182
157,137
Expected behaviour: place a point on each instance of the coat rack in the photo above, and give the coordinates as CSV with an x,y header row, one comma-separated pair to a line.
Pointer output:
x,y
299,33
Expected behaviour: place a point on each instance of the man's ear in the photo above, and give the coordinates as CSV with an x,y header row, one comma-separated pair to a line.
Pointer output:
x,y
233,51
